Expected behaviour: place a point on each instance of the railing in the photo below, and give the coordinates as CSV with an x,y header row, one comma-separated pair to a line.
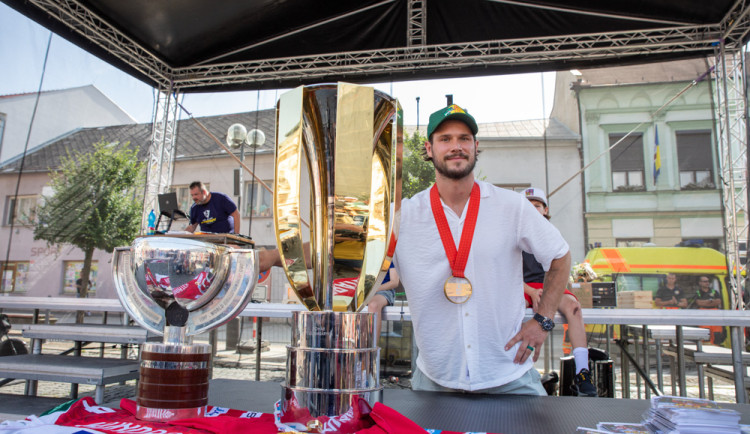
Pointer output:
x,y
735,320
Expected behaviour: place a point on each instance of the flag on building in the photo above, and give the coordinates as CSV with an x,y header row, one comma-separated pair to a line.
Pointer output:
x,y
657,155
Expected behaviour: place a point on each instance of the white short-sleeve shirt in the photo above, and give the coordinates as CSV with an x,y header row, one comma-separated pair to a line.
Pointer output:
x,y
461,346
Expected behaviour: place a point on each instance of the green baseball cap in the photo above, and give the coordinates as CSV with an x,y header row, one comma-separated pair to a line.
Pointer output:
x,y
451,112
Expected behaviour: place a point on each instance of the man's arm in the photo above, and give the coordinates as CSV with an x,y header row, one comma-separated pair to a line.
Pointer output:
x,y
236,216
714,302
531,333
191,228
661,302
392,283
268,259
682,303
272,258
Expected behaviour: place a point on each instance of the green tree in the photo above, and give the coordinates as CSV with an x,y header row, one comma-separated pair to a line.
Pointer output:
x,y
417,173
94,204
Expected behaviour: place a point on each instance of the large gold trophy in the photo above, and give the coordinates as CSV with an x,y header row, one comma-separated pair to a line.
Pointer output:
x,y
347,141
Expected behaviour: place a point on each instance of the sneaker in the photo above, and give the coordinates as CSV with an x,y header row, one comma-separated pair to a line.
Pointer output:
x,y
583,385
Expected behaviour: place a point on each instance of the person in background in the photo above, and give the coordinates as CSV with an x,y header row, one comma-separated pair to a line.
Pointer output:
x,y
670,295
385,296
212,211
533,277
706,297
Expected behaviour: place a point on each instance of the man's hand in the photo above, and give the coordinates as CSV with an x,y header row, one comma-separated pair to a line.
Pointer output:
x,y
532,335
268,259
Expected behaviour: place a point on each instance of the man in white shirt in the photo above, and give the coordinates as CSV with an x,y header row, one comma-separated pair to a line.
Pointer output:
x,y
468,323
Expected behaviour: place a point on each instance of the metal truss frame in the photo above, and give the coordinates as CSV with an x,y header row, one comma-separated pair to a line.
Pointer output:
x,y
91,26
731,124
417,29
161,153
413,57
517,52
732,144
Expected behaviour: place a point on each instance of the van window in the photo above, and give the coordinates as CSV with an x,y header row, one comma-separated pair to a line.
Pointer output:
x,y
638,282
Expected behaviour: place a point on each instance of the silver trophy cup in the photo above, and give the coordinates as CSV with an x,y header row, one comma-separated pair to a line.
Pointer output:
x,y
179,287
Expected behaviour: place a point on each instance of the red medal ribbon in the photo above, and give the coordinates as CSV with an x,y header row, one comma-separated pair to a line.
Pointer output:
x,y
457,260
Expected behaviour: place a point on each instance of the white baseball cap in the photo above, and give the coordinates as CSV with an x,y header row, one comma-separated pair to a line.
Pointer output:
x,y
535,194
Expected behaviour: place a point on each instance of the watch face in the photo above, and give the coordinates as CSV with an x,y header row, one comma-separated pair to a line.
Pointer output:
x,y
546,323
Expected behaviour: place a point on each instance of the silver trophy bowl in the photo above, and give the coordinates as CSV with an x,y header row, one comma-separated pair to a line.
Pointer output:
x,y
174,281
179,287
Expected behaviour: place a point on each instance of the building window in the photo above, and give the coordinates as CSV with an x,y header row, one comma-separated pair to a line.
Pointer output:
x,y
72,272
184,201
14,276
21,210
631,242
518,188
260,203
695,160
627,162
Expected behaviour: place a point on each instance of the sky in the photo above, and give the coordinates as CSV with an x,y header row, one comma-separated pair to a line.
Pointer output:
x,y
23,44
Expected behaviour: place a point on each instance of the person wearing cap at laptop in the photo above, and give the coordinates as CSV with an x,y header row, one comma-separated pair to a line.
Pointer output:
x,y
459,258
214,212
533,278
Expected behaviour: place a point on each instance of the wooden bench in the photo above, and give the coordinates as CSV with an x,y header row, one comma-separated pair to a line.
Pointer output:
x,y
97,371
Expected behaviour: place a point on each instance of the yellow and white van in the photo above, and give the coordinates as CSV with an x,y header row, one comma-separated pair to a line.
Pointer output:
x,y
645,269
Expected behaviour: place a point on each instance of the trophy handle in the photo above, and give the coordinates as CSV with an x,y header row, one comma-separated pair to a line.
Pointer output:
x,y
385,200
234,295
136,302
286,197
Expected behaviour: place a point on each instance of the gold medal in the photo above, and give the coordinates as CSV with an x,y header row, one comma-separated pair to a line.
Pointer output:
x,y
457,289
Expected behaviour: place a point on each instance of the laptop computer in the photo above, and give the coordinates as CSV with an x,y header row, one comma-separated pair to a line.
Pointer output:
x,y
168,204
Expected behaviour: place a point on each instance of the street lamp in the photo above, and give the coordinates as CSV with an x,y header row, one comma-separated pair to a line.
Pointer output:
x,y
255,138
238,137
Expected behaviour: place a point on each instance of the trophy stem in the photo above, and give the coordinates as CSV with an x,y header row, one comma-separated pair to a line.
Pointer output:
x,y
176,336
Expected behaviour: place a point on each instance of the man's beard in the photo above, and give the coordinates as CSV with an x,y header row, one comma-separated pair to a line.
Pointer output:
x,y
442,167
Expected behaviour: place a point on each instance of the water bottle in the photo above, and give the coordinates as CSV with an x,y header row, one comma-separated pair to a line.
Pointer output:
x,y
151,223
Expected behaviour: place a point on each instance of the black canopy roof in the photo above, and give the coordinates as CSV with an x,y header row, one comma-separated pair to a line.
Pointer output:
x,y
198,45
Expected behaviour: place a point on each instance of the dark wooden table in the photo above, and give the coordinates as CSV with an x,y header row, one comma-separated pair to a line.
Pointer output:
x,y
466,412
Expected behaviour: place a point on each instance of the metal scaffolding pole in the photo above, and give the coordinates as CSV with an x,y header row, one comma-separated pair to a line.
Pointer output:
x,y
161,153
416,28
732,144
732,140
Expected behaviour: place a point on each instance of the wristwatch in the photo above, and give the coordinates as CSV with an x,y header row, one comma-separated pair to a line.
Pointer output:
x,y
547,323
